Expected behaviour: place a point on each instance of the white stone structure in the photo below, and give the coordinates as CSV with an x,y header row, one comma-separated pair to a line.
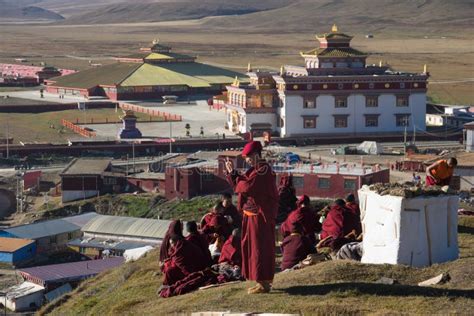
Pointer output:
x,y
336,93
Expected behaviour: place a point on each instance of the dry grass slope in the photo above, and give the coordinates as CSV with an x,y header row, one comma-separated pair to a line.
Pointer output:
x,y
327,288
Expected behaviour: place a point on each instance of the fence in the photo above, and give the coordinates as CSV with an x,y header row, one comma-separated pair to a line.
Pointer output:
x,y
168,117
77,129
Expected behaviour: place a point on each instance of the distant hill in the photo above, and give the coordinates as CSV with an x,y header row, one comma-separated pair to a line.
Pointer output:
x,y
23,11
361,15
157,11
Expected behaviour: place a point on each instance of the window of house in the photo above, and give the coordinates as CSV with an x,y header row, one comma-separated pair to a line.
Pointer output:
x,y
309,103
402,119
402,100
371,120
324,183
371,101
53,239
309,122
349,184
340,121
70,236
298,182
341,102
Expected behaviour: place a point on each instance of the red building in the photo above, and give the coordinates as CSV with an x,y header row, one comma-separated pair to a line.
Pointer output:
x,y
14,74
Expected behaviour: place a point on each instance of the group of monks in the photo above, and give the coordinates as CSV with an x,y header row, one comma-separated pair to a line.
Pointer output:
x,y
243,236
215,240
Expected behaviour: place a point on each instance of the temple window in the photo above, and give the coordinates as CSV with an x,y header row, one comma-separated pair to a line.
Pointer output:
x,y
402,100
372,120
340,121
402,119
371,101
341,102
309,103
309,122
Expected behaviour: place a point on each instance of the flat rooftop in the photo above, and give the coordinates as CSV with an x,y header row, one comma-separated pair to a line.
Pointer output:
x,y
86,167
348,169
13,244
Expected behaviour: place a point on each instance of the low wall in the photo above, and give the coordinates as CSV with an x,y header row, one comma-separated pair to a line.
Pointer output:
x,y
53,107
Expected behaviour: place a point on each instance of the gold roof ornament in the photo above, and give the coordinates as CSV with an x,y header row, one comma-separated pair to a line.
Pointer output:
x,y
425,69
236,82
380,63
249,67
334,28
282,70
155,41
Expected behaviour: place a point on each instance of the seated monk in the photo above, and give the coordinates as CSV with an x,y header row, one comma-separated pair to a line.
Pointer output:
x,y
216,247
198,239
230,210
175,228
215,224
184,259
333,226
352,216
441,172
351,205
231,250
305,216
295,247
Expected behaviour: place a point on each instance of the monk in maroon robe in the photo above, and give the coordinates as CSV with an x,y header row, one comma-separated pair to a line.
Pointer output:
x,y
216,224
198,239
231,250
306,217
175,228
258,201
230,210
184,259
352,216
333,226
295,247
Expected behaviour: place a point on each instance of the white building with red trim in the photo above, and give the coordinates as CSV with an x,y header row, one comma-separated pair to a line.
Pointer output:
x,y
336,92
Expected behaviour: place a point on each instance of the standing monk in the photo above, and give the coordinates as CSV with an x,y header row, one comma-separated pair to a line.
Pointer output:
x,y
441,172
258,201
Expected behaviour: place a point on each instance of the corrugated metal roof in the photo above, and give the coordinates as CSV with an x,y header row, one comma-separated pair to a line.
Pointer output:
x,y
46,228
23,289
80,220
127,226
13,244
70,271
101,243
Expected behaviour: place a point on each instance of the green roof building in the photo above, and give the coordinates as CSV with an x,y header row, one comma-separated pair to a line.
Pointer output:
x,y
149,74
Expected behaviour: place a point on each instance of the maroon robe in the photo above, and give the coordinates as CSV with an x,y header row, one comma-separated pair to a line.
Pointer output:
x,y
333,225
353,207
175,228
308,220
295,247
216,224
184,259
232,211
231,252
258,196
200,240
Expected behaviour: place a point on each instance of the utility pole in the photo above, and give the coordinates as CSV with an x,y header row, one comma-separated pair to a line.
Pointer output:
x,y
8,141
171,146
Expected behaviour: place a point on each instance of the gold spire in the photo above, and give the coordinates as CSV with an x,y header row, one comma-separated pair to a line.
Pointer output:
x,y
249,67
380,63
236,82
334,28
282,70
425,69
155,41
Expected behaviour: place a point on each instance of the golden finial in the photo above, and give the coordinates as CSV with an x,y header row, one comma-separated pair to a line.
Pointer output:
x,y
425,69
380,63
236,82
155,41
249,67
282,70
334,28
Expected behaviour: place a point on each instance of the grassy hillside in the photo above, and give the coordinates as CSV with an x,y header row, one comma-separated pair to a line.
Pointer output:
x,y
337,287
22,11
